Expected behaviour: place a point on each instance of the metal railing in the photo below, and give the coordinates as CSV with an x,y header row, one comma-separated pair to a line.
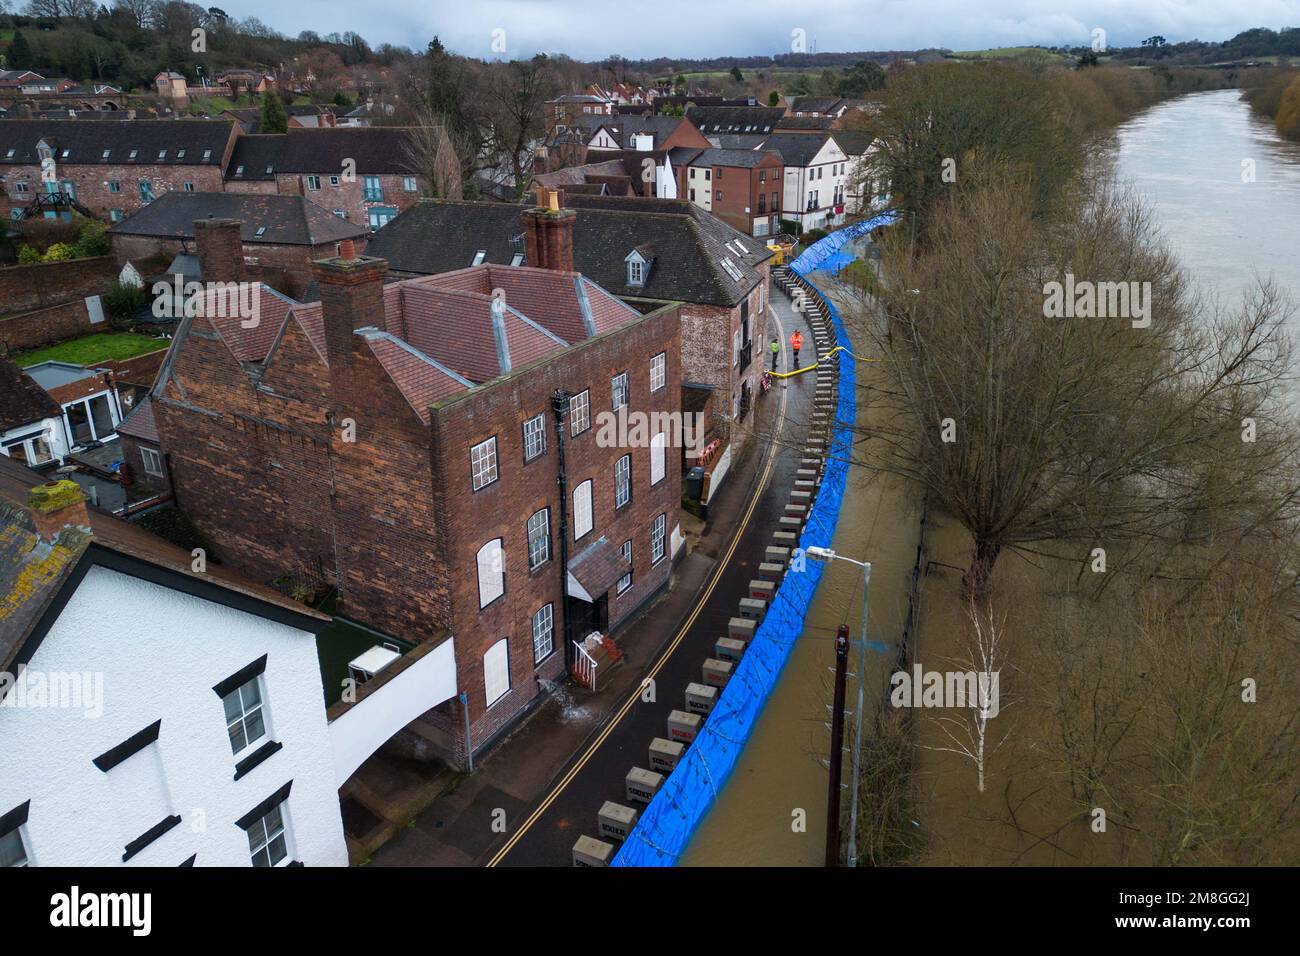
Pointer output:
x,y
584,667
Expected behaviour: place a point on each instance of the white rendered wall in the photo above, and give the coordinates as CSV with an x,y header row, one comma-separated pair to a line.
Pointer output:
x,y
160,652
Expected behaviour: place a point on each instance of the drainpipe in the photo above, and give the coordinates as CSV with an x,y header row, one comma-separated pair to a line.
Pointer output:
x,y
469,743
560,406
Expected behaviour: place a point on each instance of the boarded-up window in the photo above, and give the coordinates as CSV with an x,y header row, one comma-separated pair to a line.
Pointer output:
x,y
491,572
657,446
582,521
496,671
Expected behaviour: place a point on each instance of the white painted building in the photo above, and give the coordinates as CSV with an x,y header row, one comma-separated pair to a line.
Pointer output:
x,y
816,177
152,715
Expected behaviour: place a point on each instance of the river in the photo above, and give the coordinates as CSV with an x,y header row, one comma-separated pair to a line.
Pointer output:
x,y
1185,157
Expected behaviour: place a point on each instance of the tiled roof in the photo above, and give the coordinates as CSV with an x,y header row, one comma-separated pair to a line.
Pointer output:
x,y
805,122
22,401
734,119
745,158
286,220
376,150
797,149
141,423
183,142
438,236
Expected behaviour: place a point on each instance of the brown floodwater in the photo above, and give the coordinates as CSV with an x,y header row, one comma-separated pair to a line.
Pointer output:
x,y
781,776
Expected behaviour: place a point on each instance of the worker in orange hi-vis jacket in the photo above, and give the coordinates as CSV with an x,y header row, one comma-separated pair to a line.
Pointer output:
x,y
796,340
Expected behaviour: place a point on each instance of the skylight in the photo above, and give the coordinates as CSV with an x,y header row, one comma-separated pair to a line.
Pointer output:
x,y
479,257
731,270
261,231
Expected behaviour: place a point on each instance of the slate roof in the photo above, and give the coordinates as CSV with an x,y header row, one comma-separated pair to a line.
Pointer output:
x,y
737,140
734,119
288,220
745,158
250,118
598,566
377,150
854,142
815,104
797,149
86,141
33,571
625,129
805,122
437,236
22,401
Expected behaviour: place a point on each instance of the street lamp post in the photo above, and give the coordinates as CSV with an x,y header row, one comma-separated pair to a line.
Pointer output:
x,y
829,554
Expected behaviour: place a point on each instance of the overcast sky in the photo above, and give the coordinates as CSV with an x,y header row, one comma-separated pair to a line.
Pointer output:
x,y
589,29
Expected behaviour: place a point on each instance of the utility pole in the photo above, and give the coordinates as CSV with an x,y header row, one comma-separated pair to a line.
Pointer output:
x,y
837,748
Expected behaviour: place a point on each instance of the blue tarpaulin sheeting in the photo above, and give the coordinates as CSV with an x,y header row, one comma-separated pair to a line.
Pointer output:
x,y
665,828
828,254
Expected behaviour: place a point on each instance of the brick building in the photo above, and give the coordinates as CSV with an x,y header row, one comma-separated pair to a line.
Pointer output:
x,y
281,235
111,169
643,250
742,187
360,174
401,439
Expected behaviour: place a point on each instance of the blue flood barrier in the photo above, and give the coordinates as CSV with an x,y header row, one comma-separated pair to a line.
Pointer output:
x,y
665,827
826,254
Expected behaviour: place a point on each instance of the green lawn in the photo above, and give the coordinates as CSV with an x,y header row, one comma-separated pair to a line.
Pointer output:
x,y
90,349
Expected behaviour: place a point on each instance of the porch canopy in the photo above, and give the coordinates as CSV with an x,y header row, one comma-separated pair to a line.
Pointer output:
x,y
595,569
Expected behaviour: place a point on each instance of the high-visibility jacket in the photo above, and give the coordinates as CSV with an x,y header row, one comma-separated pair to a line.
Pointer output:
x,y
796,339
776,346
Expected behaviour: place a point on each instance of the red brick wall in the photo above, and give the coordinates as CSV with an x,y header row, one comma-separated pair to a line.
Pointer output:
x,y
501,510
44,326
92,183
348,196
23,288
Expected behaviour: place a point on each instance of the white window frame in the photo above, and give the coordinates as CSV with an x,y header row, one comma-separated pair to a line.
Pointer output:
x,y
539,530
534,439
246,712
543,633
580,413
496,671
658,458
262,835
625,582
410,185
621,382
583,519
313,184
658,371
152,461
483,469
491,564
658,531
622,481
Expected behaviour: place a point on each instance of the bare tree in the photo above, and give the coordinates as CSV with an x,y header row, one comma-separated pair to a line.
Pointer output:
x,y
968,731
1106,430
430,154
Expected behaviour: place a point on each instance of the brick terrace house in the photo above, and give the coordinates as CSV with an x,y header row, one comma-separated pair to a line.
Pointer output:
x,y
742,187
111,169
643,250
281,235
816,178
403,438
360,174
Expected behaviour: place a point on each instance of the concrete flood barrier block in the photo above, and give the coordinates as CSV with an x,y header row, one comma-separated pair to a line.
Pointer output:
x,y
729,649
770,571
761,590
615,820
796,509
789,522
774,555
589,851
683,726
700,698
741,629
716,673
642,784
784,537
664,754
798,497
753,609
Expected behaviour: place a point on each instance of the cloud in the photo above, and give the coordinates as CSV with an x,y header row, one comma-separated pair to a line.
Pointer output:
x,y
689,28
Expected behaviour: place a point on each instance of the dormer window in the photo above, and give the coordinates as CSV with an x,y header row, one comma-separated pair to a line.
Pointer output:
x,y
638,268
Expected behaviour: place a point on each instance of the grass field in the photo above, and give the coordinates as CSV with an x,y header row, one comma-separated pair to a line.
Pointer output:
x,y
89,349
1030,53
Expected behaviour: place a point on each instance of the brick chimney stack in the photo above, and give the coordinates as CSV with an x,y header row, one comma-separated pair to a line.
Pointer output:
x,y
351,297
220,249
548,231
55,505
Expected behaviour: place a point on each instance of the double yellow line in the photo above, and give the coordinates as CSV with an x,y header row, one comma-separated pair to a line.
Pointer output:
x,y
663,658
